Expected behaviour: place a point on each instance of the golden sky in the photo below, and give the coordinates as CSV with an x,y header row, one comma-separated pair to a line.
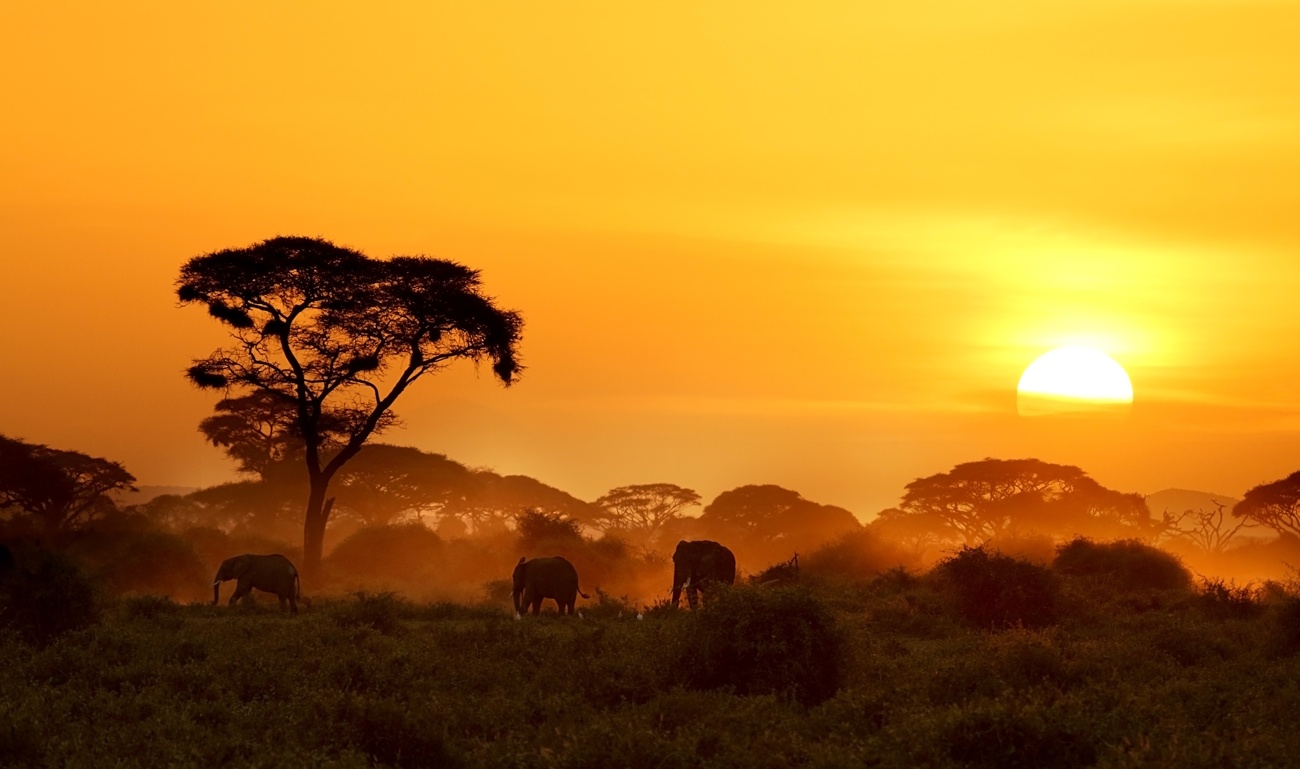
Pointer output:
x,y
805,244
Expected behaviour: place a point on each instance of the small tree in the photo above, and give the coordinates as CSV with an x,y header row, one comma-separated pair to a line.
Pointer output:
x,y
342,336
1209,530
643,511
1275,505
59,489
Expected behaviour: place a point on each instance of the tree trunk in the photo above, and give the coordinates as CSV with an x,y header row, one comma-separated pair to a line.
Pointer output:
x,y
313,534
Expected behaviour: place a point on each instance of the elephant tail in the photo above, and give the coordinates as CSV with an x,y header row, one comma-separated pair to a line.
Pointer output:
x,y
584,595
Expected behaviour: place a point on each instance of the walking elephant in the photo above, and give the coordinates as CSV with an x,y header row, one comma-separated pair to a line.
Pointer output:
x,y
698,564
268,573
543,578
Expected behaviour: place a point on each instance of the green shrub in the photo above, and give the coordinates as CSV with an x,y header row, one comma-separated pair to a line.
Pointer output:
x,y
1222,600
378,611
994,591
998,736
763,641
1285,629
46,596
1123,565
148,607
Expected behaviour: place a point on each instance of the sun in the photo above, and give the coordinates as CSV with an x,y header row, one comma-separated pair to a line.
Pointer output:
x,y
1074,379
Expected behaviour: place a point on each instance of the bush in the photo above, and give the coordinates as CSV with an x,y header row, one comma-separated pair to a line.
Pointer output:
x,y
148,607
377,611
144,561
1226,600
1285,631
995,591
1124,565
763,641
857,555
392,552
1002,737
47,595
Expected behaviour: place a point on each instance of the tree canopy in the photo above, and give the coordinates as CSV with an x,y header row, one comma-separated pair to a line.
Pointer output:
x,y
978,501
641,512
341,336
1275,505
59,490
768,521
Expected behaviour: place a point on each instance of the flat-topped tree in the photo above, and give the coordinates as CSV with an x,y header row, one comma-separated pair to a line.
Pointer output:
x,y
342,336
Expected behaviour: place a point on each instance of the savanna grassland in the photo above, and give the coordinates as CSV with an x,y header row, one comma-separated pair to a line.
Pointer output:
x,y
1109,656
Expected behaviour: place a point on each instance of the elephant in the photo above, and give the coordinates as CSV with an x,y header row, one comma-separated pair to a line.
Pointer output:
x,y
268,573
543,578
696,565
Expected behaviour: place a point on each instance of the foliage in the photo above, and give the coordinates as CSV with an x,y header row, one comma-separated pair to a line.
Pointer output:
x,y
492,501
1275,505
765,522
751,641
47,595
466,686
978,501
403,551
376,611
59,489
1220,599
131,557
993,591
641,512
858,554
389,484
1123,565
538,529
341,336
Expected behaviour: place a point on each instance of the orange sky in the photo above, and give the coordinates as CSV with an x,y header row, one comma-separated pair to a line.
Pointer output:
x,y
753,243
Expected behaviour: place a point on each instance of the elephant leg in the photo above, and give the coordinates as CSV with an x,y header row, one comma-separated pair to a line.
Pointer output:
x,y
243,588
537,605
693,595
293,604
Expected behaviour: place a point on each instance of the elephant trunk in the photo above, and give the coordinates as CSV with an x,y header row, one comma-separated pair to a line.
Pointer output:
x,y
514,596
216,592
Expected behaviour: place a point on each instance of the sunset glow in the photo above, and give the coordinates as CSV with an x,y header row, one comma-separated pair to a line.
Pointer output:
x,y
809,245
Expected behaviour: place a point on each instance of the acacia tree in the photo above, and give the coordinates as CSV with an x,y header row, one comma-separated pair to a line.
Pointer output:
x,y
642,511
1275,505
342,336
260,429
976,501
59,489
768,521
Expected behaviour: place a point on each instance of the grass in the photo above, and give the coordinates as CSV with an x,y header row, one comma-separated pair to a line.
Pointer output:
x,y
373,680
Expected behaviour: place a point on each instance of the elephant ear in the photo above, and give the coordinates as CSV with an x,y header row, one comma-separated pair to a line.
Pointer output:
x,y
241,564
521,560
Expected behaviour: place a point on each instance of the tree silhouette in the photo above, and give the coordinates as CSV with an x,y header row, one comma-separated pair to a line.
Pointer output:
x,y
385,484
59,489
342,336
260,429
1209,530
977,501
493,501
1275,505
769,521
641,512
